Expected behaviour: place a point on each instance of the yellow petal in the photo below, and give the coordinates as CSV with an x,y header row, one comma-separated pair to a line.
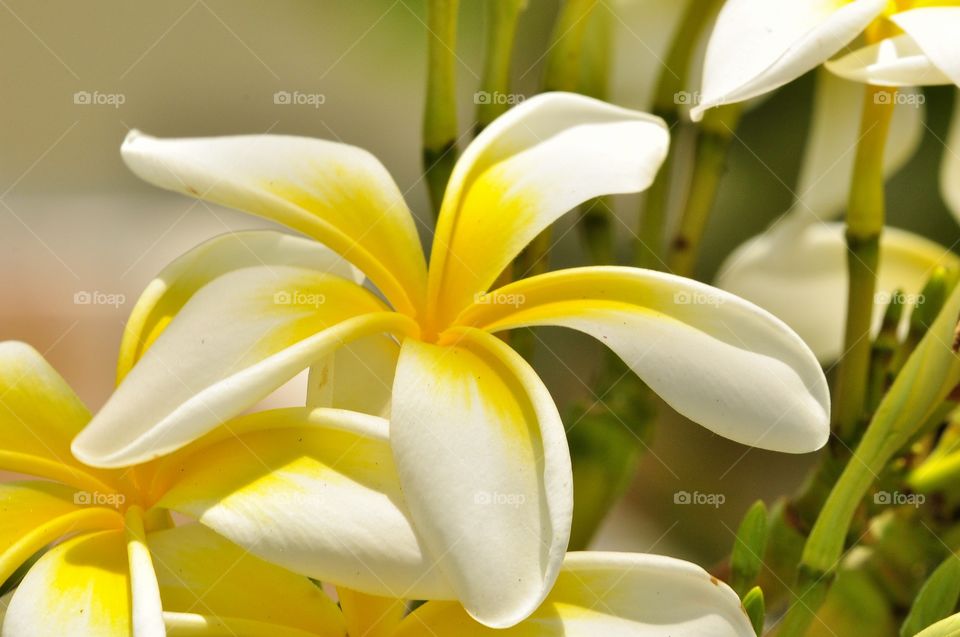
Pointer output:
x,y
338,194
614,595
756,381
39,416
541,159
313,491
483,460
35,514
79,588
236,340
178,282
369,615
200,572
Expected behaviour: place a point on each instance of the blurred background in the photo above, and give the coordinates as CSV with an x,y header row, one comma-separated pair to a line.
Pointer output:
x,y
80,236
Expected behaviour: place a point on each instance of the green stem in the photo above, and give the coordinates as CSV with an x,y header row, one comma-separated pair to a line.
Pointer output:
x,y
712,146
493,98
865,218
440,113
668,97
564,58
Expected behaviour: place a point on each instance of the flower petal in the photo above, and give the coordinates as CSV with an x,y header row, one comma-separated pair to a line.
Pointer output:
x,y
357,377
950,166
36,514
338,194
370,616
935,30
823,186
483,460
39,416
802,277
200,572
539,160
896,61
178,282
756,382
610,594
313,491
760,45
238,339
146,607
80,587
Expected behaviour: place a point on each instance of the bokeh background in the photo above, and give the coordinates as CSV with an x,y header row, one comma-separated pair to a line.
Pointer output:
x,y
74,221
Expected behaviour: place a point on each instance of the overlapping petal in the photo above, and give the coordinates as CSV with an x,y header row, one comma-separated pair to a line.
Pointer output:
x,y
170,290
755,380
314,491
935,29
80,587
338,194
484,465
235,341
759,45
533,164
208,583
39,416
896,61
950,166
802,277
368,615
357,377
610,594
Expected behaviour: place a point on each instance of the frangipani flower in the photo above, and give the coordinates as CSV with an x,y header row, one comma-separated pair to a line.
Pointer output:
x,y
122,567
478,444
759,45
797,269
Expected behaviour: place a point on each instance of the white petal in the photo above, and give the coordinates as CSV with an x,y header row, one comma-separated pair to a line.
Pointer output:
x,y
235,341
935,30
338,194
896,61
950,166
760,45
802,277
614,595
313,491
538,161
485,469
715,358
357,377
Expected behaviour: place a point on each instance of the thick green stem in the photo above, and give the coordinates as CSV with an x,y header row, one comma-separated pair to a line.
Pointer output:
x,y
440,113
713,143
865,218
494,97
564,59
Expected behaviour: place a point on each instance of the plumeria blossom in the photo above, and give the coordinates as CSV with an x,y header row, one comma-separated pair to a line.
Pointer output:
x,y
797,269
476,438
760,45
118,566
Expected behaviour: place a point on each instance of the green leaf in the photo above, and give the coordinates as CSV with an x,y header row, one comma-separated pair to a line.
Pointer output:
x,y
937,598
747,557
754,606
949,627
